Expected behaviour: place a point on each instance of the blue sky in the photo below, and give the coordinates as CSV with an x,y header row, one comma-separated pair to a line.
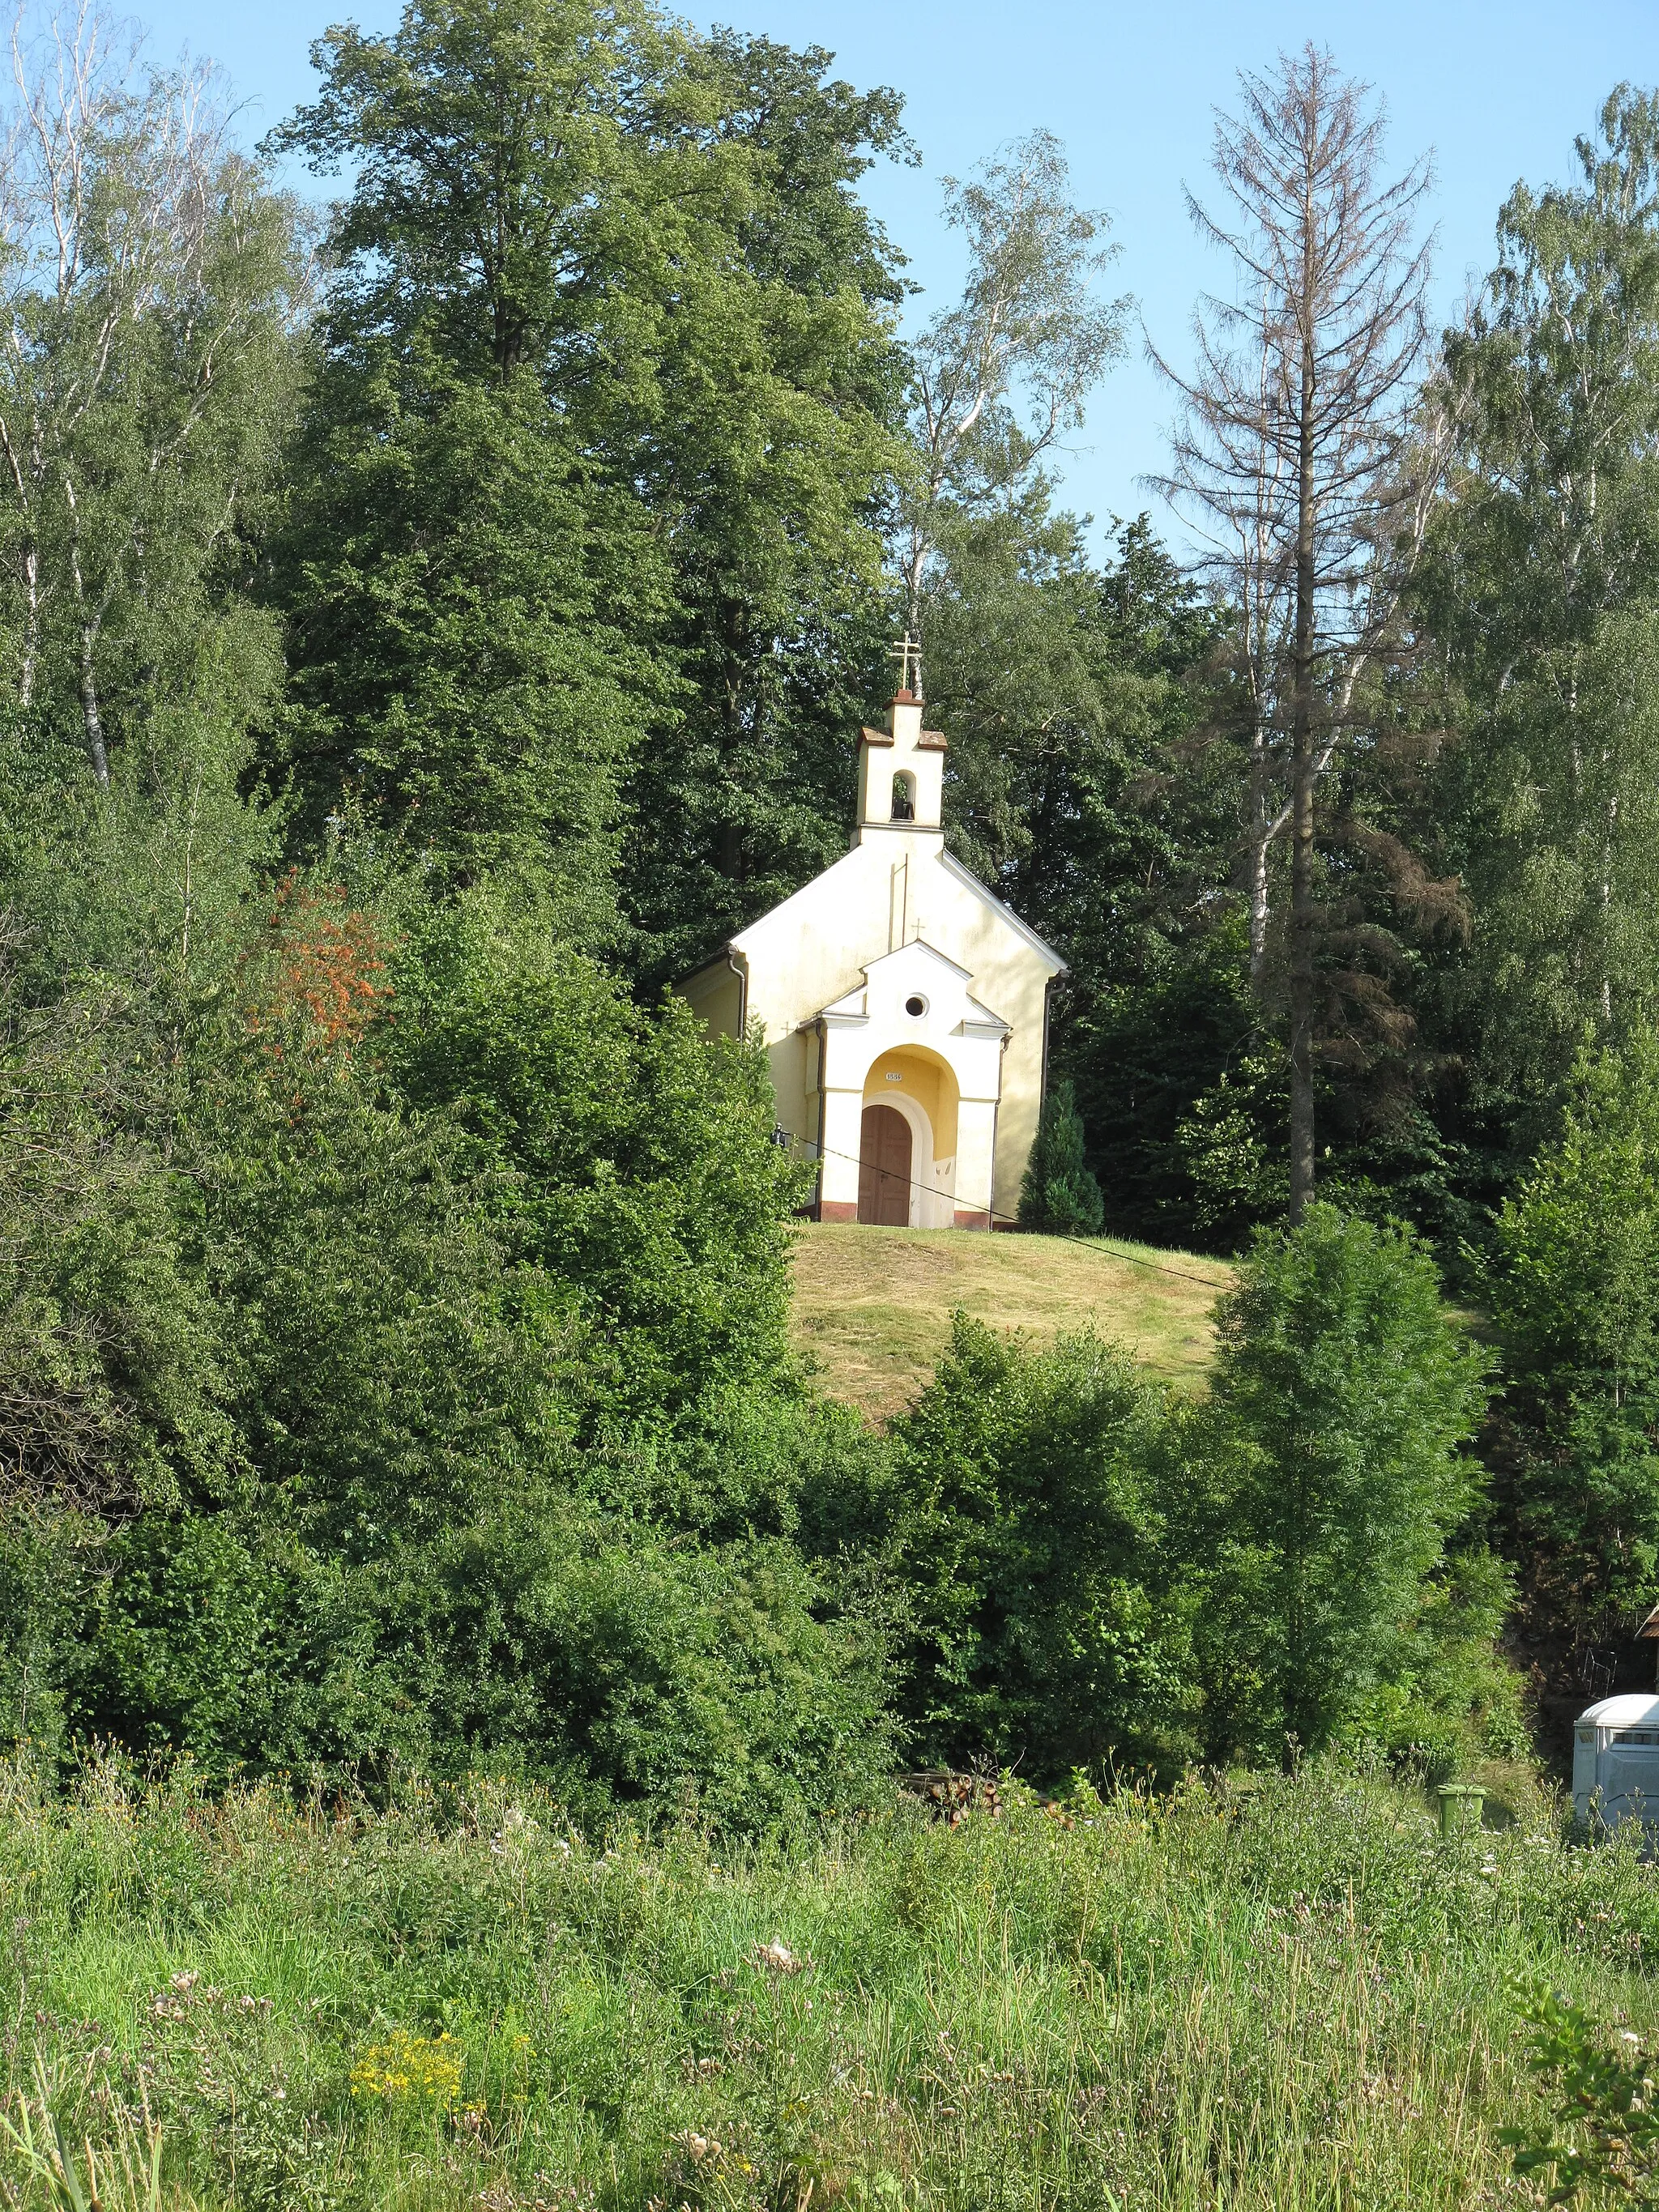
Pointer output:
x,y
1497,91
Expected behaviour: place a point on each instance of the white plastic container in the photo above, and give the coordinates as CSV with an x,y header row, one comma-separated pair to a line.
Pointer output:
x,y
1615,1759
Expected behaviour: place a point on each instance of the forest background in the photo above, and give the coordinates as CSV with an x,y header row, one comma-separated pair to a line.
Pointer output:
x,y
431,630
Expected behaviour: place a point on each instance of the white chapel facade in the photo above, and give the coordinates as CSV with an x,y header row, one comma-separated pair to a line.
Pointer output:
x,y
904,1009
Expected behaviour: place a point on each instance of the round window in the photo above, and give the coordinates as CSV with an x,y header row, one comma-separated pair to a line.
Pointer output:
x,y
915,1006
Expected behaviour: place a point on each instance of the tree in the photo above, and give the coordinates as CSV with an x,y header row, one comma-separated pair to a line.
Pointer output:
x,y
1544,591
1002,376
1047,1619
462,691
150,280
1084,787
772,472
1300,446
1058,1193
1573,1287
112,1378
458,543
622,1157
1342,1392
606,406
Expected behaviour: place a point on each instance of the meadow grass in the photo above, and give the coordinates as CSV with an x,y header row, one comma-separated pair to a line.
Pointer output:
x,y
1295,1999
872,1307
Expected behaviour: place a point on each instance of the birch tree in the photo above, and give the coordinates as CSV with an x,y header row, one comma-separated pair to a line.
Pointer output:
x,y
1545,587
148,290
1000,379
1300,451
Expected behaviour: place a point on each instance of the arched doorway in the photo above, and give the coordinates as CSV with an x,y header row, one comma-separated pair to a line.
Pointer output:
x,y
885,1168
921,1084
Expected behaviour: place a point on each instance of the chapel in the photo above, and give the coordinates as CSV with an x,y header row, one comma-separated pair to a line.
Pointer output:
x,y
904,1006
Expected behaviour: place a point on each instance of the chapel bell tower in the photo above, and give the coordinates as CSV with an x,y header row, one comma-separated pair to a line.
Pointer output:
x,y
901,768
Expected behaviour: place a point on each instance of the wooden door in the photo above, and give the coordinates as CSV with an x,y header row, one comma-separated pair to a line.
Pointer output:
x,y
885,1168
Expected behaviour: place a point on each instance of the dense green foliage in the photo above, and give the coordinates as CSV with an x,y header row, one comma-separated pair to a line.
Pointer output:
x,y
419,653
1572,1289
1545,597
610,478
1048,1610
1342,1392
401,1408
1094,1572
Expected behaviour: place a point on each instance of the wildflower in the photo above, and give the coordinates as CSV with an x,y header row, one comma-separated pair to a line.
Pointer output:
x,y
410,2069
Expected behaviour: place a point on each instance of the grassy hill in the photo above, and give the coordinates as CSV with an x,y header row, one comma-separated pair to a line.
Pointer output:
x,y
873,1306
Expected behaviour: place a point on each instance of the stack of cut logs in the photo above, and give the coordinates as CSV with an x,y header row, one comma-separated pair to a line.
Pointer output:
x,y
953,1797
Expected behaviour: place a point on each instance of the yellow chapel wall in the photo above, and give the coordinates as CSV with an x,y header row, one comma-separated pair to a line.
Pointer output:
x,y
715,996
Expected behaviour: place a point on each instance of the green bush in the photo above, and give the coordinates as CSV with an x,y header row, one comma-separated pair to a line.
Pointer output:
x,y
1343,1391
454,1402
620,1153
1573,1285
1047,1621
609,1663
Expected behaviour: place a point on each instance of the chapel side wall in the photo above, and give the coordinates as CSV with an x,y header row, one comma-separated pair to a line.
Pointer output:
x,y
787,1056
716,997
1022,1105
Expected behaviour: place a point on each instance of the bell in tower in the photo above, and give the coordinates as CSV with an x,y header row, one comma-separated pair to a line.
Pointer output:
x,y
901,768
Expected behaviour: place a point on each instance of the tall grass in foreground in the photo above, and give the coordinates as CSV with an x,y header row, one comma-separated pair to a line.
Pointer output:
x,y
1291,1999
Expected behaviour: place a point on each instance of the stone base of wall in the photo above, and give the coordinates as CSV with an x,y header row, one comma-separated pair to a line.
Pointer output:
x,y
841,1209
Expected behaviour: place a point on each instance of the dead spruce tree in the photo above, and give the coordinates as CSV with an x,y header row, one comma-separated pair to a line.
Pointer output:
x,y
1307,456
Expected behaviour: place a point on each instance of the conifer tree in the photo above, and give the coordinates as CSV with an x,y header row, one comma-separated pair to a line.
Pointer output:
x,y
1059,1194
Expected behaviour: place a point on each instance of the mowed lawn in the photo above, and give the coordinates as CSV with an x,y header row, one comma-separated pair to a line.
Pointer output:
x,y
873,1306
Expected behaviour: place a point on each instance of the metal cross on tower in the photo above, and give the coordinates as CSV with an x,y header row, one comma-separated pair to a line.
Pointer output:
x,y
908,653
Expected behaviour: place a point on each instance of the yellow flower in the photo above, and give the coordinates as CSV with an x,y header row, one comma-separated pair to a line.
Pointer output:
x,y
410,2069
